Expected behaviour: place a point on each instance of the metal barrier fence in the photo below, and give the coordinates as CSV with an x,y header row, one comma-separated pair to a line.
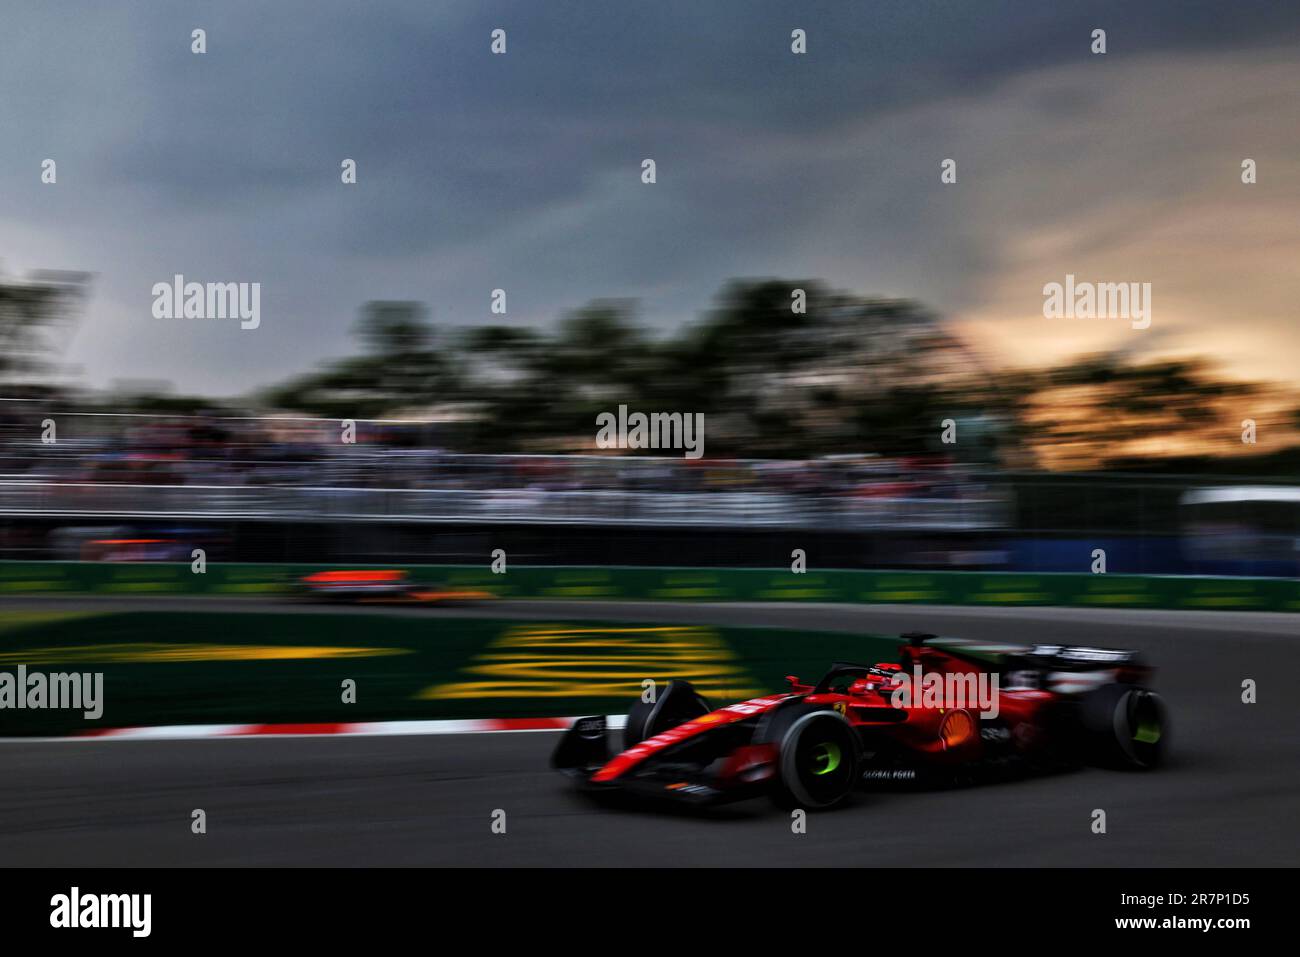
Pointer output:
x,y
988,510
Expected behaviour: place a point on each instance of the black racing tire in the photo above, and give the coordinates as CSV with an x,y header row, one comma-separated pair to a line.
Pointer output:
x,y
1124,726
817,763
677,703
638,716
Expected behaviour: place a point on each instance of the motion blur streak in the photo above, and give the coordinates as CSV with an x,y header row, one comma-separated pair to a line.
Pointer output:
x,y
1224,799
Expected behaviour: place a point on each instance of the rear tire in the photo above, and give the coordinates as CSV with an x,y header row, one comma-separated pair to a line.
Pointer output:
x,y
1124,726
818,762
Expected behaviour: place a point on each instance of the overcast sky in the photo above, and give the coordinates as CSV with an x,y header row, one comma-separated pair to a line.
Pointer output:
x,y
522,171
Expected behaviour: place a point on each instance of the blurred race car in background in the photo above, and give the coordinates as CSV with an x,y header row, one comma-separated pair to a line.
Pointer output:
x,y
810,747
388,586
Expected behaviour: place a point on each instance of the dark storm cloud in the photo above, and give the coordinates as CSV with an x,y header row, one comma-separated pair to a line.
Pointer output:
x,y
519,171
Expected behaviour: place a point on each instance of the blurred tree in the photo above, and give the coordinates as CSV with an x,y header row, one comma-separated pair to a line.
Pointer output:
x,y
37,316
1093,413
535,389
848,374
399,368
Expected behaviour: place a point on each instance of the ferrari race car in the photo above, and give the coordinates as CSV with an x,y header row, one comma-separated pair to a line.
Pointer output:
x,y
948,710
392,586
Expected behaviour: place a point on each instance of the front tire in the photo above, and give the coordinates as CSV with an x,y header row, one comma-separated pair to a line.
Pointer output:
x,y
818,762
677,703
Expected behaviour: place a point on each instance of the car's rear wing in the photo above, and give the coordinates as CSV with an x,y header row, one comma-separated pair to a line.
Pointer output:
x,y
1058,657
1061,668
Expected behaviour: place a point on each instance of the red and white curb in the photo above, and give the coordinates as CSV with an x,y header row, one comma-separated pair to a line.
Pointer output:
x,y
180,732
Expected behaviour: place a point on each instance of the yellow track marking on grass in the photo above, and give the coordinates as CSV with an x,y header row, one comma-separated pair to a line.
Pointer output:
x,y
160,652
554,661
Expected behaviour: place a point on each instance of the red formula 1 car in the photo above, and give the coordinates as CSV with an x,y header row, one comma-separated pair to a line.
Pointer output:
x,y
382,586
947,710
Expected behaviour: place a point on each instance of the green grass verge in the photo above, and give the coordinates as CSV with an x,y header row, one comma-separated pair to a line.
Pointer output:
x,y
175,668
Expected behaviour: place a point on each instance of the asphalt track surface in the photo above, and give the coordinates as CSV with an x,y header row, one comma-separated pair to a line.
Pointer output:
x,y
1228,796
